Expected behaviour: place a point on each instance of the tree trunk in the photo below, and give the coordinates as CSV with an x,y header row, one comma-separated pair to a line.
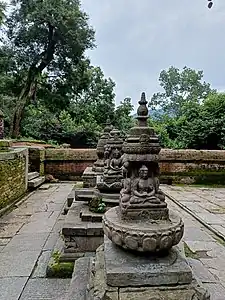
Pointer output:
x,y
22,101
35,70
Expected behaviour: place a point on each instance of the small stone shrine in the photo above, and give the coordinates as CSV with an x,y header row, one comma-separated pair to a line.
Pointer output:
x,y
140,258
90,173
82,230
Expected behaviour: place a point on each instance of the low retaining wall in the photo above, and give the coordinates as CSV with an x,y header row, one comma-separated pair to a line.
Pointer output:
x,y
68,164
193,166
13,175
177,166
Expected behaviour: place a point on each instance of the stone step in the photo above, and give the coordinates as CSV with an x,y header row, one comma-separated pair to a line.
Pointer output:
x,y
32,175
36,182
70,198
79,281
88,216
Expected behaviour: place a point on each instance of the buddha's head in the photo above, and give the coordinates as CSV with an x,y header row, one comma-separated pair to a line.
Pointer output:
x,y
116,153
143,172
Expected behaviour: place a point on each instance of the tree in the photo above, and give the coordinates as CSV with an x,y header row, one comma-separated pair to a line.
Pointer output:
x,y
45,35
123,119
97,99
180,88
74,118
2,11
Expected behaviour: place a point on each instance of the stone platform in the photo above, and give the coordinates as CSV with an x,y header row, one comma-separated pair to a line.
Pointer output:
x,y
81,235
125,268
89,178
93,284
85,194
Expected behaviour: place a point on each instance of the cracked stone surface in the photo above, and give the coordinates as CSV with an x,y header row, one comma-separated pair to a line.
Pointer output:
x,y
28,235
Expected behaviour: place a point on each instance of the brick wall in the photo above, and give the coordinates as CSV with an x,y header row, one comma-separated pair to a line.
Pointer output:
x,y
68,164
180,166
13,175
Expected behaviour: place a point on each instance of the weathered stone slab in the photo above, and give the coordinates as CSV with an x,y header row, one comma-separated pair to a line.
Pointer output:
x,y
41,265
183,292
70,198
36,182
17,264
217,291
129,269
201,271
45,186
32,175
196,234
201,245
40,225
84,194
89,216
45,288
12,287
79,282
26,242
8,230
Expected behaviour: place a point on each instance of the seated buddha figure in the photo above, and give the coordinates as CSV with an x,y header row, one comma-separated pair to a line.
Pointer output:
x,y
115,164
143,190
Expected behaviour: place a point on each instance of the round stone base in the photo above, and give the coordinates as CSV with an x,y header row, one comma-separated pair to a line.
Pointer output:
x,y
143,235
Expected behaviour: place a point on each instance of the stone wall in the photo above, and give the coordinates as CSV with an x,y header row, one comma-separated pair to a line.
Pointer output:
x,y
177,166
68,164
13,175
193,166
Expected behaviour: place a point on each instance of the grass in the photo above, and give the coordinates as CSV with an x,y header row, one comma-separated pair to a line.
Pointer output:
x,y
190,253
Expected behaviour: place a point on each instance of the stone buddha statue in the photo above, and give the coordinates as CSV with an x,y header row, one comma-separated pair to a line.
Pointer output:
x,y
143,189
115,164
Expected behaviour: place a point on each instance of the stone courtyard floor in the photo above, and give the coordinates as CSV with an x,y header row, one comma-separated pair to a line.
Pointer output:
x,y
28,235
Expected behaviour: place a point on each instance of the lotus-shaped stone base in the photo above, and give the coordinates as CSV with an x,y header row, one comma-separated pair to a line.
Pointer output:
x,y
144,235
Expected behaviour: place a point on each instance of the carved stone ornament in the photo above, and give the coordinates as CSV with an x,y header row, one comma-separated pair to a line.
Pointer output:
x,y
142,222
111,180
98,166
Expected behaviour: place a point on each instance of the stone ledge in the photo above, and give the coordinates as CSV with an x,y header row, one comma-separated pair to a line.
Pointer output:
x,y
191,155
71,154
13,154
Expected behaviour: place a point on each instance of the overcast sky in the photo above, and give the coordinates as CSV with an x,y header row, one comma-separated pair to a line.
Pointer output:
x,y
136,39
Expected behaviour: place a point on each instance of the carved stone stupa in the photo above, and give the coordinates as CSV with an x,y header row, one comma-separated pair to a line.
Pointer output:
x,y
154,267
90,173
98,166
111,180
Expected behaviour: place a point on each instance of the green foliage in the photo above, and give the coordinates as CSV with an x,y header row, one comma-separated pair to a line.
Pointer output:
x,y
123,119
193,113
180,88
60,269
96,204
101,207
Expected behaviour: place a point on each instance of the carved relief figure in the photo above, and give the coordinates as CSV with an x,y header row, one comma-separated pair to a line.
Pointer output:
x,y
115,164
143,189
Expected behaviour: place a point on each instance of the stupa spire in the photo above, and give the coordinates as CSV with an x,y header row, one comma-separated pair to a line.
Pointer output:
x,y
142,111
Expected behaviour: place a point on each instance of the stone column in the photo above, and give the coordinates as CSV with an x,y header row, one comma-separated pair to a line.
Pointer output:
x,y
1,125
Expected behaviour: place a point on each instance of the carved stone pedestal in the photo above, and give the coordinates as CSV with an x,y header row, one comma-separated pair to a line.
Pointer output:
x,y
89,178
119,275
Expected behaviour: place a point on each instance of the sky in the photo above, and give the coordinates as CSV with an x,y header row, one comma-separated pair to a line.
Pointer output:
x,y
136,39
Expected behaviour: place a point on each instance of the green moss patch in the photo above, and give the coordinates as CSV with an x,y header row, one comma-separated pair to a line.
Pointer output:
x,y
59,269
190,253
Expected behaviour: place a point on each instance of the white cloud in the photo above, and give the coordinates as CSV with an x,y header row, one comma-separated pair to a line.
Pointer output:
x,y
137,39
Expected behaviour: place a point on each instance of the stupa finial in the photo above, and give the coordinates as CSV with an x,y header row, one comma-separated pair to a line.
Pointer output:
x,y
142,111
